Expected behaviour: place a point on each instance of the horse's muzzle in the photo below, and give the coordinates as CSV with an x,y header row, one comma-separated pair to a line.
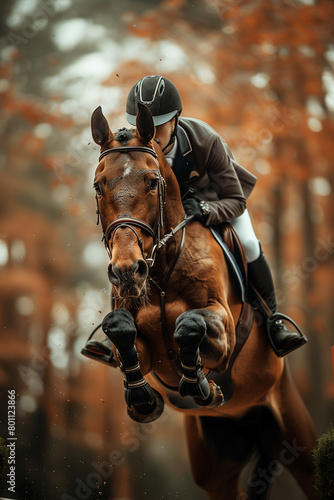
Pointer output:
x,y
129,280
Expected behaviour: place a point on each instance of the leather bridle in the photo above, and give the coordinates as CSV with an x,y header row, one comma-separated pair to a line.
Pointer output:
x,y
129,222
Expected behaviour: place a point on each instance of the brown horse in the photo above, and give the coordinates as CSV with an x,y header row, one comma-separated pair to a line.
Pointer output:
x,y
174,320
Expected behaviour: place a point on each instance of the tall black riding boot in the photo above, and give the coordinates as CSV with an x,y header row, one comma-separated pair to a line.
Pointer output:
x,y
282,339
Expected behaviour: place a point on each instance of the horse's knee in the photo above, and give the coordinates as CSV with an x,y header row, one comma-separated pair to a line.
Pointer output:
x,y
120,328
190,330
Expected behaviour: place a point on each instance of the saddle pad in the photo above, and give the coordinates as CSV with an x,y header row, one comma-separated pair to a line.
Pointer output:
x,y
231,262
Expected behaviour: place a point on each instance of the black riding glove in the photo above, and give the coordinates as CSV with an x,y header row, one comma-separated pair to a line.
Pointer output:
x,y
192,207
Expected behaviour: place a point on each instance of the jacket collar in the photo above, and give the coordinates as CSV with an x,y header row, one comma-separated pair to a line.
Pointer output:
x,y
184,144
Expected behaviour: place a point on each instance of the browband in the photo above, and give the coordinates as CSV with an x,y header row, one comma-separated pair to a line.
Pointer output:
x,y
129,149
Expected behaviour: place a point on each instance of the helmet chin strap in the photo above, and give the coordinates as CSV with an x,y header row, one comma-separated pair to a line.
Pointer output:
x,y
173,135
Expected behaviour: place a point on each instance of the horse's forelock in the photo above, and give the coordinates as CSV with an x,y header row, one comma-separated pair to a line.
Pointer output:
x,y
123,135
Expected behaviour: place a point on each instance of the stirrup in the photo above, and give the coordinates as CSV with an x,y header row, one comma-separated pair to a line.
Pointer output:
x,y
282,352
99,352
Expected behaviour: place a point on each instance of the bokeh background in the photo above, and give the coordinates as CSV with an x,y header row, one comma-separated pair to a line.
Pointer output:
x,y
261,73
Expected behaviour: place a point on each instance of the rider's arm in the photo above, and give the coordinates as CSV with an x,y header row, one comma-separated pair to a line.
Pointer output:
x,y
224,192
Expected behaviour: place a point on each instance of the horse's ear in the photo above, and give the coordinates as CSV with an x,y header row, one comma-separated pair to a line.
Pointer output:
x,y
100,129
144,123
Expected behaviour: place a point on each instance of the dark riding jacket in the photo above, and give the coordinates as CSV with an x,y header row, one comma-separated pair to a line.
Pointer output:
x,y
206,169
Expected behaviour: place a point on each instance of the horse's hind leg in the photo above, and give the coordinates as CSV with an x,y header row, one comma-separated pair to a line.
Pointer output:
x,y
215,466
260,482
144,403
299,437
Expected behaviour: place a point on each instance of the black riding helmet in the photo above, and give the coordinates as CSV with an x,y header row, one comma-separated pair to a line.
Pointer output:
x,y
159,94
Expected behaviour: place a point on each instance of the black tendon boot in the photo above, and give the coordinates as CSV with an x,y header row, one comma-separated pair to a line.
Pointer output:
x,y
281,338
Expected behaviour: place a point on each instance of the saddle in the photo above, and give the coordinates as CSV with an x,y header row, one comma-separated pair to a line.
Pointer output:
x,y
235,257
231,239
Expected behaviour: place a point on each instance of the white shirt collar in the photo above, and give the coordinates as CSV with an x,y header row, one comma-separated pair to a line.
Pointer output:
x,y
170,157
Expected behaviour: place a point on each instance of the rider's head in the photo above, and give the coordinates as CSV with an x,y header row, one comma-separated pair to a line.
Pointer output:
x,y
163,99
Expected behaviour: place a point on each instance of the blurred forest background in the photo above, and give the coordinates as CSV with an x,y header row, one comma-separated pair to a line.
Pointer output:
x,y
261,73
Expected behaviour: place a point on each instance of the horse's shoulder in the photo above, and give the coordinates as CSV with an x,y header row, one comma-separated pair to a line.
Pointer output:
x,y
202,259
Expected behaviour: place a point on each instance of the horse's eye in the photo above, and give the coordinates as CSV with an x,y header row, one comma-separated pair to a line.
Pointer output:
x,y
152,185
97,188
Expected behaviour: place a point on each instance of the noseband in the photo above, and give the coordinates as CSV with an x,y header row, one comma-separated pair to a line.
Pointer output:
x,y
129,222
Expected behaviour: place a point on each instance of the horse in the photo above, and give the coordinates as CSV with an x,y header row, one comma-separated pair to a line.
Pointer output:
x,y
172,327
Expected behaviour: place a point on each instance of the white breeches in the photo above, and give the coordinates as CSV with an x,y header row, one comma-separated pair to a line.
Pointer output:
x,y
244,228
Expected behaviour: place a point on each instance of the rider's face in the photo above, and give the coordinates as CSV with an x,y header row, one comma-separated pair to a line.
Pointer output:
x,y
164,132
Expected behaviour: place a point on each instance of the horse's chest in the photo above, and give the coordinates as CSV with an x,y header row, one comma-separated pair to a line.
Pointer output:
x,y
149,321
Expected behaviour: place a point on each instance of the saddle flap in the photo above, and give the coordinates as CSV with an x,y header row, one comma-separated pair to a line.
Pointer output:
x,y
233,242
239,270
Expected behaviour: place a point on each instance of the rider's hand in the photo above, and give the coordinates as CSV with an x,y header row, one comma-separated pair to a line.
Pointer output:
x,y
192,207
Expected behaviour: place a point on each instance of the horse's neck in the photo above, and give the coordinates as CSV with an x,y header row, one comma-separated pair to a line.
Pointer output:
x,y
173,215
173,210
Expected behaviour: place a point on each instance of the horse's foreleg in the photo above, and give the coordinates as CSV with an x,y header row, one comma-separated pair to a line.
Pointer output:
x,y
144,403
190,332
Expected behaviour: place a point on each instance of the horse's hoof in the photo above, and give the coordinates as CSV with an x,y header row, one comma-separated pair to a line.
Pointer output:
x,y
215,399
139,394
147,413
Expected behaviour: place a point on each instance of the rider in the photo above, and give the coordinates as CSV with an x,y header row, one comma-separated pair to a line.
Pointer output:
x,y
214,187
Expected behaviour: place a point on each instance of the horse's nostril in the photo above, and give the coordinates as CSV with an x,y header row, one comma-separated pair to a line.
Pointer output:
x,y
141,268
114,274
127,274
